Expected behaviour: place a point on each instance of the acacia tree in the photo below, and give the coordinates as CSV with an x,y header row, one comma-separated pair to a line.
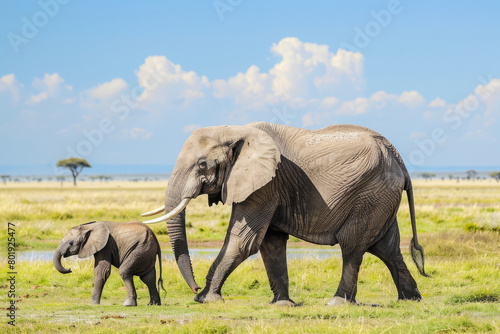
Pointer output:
x,y
75,165
495,175
471,174
4,178
427,176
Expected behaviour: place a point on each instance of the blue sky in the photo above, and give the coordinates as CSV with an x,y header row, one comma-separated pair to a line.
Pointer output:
x,y
126,82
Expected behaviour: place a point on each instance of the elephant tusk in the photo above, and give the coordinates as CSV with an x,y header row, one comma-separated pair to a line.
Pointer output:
x,y
171,214
154,212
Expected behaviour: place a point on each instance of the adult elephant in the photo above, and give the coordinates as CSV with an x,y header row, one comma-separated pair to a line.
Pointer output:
x,y
340,184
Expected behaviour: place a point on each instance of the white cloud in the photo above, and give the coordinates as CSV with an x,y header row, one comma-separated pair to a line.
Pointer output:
x,y
9,83
306,67
35,99
50,83
307,120
411,99
490,95
361,105
306,73
190,128
167,83
251,88
50,86
329,102
107,90
437,102
138,133
357,106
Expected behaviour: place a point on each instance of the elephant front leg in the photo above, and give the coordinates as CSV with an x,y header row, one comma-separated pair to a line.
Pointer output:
x,y
102,269
248,225
228,259
273,252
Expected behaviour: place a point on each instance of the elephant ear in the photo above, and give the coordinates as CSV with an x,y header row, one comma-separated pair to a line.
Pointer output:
x,y
255,157
97,235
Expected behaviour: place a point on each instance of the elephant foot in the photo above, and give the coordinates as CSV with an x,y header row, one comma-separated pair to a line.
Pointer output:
x,y
130,302
284,303
208,297
338,301
154,302
96,302
410,295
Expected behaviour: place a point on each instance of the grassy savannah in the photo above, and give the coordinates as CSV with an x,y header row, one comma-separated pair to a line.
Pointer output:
x,y
458,225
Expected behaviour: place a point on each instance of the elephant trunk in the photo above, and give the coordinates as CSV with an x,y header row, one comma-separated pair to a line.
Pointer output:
x,y
177,233
57,261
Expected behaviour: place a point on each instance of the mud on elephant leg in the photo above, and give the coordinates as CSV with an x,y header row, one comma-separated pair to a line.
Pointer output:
x,y
150,280
273,252
388,250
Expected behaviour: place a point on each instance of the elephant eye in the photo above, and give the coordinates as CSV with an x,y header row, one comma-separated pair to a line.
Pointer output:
x,y
71,243
202,164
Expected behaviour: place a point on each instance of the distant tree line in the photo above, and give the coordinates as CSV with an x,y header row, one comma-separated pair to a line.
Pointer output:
x,y
471,175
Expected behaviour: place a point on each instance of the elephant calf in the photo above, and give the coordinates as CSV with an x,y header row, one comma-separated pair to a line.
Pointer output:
x,y
131,247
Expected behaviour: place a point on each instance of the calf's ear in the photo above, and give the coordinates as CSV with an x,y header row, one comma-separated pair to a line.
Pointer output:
x,y
96,237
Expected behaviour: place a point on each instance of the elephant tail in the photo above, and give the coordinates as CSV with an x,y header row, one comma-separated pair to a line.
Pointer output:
x,y
160,280
416,250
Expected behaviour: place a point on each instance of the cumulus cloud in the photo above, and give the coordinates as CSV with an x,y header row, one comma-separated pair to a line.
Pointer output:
x,y
251,89
107,90
305,67
9,83
411,99
357,106
138,133
50,86
329,102
168,84
378,101
100,96
35,99
306,73
437,102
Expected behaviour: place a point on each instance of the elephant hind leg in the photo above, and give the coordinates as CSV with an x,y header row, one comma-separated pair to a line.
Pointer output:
x,y
150,280
346,292
388,250
127,274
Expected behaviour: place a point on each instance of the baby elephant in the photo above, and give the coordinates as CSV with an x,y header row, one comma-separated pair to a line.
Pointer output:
x,y
131,247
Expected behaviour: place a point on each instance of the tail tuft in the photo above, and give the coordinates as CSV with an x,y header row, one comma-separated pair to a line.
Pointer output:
x,y
160,284
417,254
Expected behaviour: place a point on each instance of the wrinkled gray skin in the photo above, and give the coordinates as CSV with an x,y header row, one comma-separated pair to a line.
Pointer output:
x,y
341,184
131,247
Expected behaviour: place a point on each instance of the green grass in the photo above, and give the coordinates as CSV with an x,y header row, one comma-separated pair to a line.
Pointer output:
x,y
457,224
463,295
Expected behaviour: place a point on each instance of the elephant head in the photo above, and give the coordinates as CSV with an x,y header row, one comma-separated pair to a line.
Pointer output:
x,y
83,240
228,163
